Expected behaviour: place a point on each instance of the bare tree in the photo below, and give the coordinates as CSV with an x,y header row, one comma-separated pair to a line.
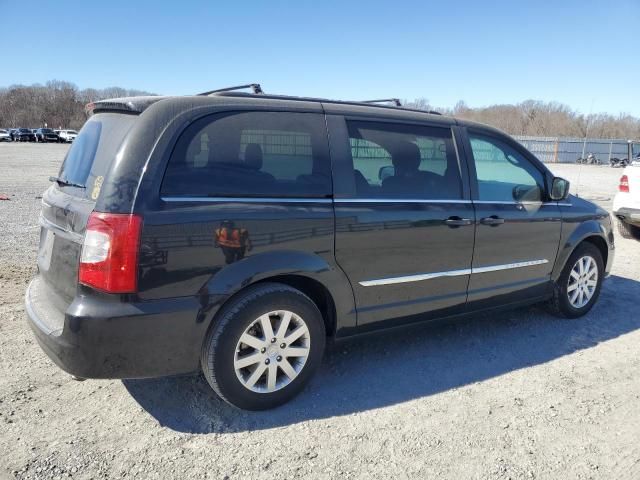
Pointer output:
x,y
546,119
58,104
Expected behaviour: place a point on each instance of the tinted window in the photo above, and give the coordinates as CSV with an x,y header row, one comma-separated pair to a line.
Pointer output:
x,y
251,154
95,147
503,173
404,161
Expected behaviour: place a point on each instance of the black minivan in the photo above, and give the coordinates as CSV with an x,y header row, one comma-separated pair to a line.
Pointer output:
x,y
234,233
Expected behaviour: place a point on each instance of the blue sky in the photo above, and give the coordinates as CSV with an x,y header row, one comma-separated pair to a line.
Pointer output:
x,y
581,53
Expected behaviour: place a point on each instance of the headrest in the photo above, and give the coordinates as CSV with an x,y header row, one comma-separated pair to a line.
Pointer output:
x,y
253,156
406,157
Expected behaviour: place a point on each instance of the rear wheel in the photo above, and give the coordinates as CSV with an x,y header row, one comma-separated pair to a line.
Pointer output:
x,y
578,287
628,231
264,347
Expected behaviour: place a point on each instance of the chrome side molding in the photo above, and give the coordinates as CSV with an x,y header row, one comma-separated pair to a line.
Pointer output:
x,y
508,266
450,273
415,278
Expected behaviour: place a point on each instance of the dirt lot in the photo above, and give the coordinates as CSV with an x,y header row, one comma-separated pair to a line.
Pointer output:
x,y
516,395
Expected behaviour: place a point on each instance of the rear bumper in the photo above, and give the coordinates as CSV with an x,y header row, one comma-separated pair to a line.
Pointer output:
x,y
629,215
101,336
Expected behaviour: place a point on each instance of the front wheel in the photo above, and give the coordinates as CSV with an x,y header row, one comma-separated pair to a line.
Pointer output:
x,y
264,347
578,287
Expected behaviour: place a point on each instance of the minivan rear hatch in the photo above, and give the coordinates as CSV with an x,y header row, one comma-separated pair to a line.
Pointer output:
x,y
67,204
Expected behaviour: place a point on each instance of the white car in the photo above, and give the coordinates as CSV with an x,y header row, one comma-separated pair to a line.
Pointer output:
x,y
626,204
68,135
4,135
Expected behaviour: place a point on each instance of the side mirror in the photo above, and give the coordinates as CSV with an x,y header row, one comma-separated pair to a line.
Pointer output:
x,y
527,193
559,189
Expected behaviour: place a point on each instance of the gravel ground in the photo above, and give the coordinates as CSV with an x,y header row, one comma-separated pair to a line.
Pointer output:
x,y
516,395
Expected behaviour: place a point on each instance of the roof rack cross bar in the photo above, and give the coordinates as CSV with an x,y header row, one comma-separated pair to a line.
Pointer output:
x,y
395,101
257,89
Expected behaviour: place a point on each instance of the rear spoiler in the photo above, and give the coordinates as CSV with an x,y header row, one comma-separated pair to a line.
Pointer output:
x,y
130,105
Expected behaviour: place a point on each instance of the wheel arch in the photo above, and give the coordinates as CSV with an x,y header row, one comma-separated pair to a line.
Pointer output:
x,y
325,284
591,232
316,291
601,244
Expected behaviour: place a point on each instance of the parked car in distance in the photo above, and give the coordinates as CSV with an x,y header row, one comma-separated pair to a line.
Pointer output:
x,y
4,135
47,135
13,133
67,135
626,203
235,234
24,135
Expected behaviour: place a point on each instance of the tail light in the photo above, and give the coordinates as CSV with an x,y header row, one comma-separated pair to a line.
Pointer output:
x,y
109,259
624,184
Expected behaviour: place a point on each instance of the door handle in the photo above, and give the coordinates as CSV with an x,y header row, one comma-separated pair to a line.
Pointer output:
x,y
457,222
492,221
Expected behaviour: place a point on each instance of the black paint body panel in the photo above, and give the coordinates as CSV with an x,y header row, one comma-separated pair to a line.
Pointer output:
x,y
530,232
382,240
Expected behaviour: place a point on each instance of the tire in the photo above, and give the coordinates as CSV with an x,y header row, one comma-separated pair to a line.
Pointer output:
x,y
628,231
223,352
561,304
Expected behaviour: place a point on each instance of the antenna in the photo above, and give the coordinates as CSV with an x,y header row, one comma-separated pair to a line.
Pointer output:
x,y
257,89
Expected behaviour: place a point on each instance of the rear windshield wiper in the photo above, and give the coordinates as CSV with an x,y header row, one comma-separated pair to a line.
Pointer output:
x,y
65,183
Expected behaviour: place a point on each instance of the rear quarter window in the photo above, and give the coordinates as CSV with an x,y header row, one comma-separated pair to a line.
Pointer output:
x,y
251,154
94,149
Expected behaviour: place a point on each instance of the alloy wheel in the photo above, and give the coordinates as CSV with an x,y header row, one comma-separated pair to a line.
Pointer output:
x,y
583,280
272,351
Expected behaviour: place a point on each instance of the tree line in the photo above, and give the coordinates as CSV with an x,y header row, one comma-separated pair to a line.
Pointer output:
x,y
543,119
56,104
60,104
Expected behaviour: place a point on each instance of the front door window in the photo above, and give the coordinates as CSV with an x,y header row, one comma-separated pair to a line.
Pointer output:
x,y
504,175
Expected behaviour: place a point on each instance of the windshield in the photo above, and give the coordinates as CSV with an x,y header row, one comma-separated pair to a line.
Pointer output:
x,y
25,130
46,130
635,150
72,132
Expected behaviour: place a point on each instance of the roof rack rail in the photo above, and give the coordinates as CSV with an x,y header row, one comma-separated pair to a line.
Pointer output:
x,y
257,89
395,101
228,93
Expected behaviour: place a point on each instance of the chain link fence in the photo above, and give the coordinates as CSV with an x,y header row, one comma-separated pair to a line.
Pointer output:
x,y
568,150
